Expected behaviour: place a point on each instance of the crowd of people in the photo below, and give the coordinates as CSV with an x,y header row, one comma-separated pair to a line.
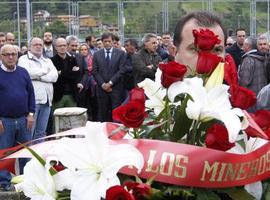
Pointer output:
x,y
98,74
252,59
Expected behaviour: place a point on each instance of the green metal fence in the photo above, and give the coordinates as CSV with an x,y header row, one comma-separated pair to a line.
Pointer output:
x,y
128,18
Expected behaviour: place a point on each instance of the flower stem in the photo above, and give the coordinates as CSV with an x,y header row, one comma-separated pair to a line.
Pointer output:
x,y
194,132
135,133
166,113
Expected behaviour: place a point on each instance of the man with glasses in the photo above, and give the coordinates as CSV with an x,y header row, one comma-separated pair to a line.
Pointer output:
x,y
17,107
43,74
65,88
229,42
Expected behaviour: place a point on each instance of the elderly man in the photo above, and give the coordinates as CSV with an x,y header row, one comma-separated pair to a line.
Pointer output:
x,y
43,74
253,72
65,88
145,62
17,106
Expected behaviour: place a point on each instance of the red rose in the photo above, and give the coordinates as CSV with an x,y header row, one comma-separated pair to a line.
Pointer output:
x,y
230,72
207,62
137,94
217,138
139,190
171,72
118,192
262,118
205,39
59,167
242,97
131,114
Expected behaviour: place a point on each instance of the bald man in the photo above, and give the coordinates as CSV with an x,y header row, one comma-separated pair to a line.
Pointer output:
x,y
10,38
65,88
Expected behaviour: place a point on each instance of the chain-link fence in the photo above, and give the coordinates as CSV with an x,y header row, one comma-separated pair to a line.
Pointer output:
x,y
127,18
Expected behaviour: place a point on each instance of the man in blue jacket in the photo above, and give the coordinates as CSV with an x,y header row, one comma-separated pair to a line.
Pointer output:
x,y
17,106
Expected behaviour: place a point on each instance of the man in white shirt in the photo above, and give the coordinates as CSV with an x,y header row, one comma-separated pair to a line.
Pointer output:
x,y
43,74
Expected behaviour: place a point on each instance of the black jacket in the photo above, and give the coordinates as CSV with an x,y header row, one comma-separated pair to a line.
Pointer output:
x,y
139,62
67,79
236,53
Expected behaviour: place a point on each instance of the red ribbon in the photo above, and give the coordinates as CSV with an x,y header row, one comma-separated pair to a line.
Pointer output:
x,y
188,165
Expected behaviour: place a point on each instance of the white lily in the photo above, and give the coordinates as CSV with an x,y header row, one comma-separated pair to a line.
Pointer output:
x,y
155,93
37,182
208,104
216,77
95,162
251,144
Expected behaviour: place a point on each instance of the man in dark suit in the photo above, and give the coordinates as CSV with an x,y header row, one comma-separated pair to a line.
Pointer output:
x,y
108,69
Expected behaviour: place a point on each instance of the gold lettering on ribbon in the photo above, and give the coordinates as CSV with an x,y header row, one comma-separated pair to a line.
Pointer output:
x,y
178,161
253,168
210,169
150,162
268,161
242,172
163,162
221,171
231,172
262,164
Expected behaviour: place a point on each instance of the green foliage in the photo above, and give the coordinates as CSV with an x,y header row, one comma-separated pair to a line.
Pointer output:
x,y
182,122
58,28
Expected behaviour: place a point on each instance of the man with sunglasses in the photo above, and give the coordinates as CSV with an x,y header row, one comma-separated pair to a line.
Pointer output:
x,y
17,107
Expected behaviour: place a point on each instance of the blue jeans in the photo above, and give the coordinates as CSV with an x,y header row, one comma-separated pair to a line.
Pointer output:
x,y
41,120
15,130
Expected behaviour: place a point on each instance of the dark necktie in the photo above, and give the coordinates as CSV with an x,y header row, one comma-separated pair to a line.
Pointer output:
x,y
108,59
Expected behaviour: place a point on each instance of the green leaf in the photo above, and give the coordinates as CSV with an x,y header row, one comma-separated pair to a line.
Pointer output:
x,y
238,193
204,194
152,131
182,122
40,159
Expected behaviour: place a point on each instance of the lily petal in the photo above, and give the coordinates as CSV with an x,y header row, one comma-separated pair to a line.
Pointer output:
x,y
255,189
38,183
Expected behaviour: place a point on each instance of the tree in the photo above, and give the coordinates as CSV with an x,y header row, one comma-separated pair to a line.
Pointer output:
x,y
57,28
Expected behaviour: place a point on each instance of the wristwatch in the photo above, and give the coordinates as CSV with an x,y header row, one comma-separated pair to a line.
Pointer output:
x,y
111,83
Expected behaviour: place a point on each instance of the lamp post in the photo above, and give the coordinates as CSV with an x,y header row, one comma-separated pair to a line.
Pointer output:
x,y
18,24
238,21
14,22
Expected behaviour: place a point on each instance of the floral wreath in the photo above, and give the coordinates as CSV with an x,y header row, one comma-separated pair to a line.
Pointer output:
x,y
189,134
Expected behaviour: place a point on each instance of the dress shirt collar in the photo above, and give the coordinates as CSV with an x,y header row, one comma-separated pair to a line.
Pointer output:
x,y
33,57
111,49
50,48
6,69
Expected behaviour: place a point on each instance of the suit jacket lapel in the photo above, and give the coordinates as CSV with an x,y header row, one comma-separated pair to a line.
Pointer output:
x,y
113,57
